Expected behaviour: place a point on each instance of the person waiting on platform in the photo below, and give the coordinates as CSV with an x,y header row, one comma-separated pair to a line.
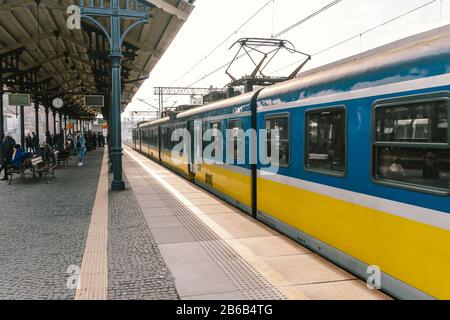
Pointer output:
x,y
80,145
101,140
94,141
35,142
29,143
7,151
49,139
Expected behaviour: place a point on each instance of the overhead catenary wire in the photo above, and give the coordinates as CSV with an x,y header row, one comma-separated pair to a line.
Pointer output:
x,y
363,33
316,13
247,21
298,23
376,27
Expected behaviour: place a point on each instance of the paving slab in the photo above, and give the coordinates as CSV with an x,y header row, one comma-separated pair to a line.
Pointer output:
x,y
215,251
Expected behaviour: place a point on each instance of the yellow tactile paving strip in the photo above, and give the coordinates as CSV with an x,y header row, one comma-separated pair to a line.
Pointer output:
x,y
290,268
93,278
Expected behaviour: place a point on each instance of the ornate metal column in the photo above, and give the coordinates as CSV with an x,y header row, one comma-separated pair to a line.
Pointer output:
x,y
47,130
22,126
54,122
65,131
36,118
2,120
60,122
136,10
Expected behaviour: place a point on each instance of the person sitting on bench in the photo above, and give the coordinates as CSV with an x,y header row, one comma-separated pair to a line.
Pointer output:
x,y
46,153
19,156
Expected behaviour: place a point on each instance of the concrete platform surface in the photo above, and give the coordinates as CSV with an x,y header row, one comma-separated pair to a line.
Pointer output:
x,y
214,251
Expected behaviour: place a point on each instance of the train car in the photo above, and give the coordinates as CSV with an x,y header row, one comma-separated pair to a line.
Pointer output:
x,y
230,180
364,161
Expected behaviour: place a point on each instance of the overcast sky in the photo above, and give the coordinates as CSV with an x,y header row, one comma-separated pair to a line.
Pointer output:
x,y
212,21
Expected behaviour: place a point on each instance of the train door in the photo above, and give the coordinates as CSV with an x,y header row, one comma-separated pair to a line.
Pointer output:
x,y
140,139
191,151
159,142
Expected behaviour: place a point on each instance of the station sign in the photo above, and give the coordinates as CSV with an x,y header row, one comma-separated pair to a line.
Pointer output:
x,y
94,101
18,100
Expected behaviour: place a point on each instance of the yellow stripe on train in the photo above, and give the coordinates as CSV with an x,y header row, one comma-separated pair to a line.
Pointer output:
x,y
415,253
412,252
233,184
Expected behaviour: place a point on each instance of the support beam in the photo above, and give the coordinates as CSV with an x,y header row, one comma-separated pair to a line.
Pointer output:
x,y
47,130
54,122
168,8
116,150
65,131
60,122
22,127
36,120
2,121
116,37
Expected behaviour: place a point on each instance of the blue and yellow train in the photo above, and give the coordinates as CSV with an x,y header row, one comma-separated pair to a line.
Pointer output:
x,y
364,156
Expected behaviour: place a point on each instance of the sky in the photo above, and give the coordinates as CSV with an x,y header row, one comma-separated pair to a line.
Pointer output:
x,y
213,21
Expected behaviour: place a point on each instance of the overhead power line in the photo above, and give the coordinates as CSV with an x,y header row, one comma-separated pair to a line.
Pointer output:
x,y
363,33
314,14
223,42
328,6
374,28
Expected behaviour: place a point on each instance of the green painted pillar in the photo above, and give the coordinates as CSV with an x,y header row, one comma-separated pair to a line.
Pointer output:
x,y
22,126
36,119
60,122
54,122
140,13
116,148
116,57
47,130
2,120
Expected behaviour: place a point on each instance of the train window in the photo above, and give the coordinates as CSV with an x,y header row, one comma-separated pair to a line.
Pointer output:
x,y
168,138
416,166
411,145
155,137
416,122
214,125
326,140
281,141
236,126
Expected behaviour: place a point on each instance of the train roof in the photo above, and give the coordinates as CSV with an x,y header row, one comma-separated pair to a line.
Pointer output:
x,y
365,69
366,65
153,122
231,102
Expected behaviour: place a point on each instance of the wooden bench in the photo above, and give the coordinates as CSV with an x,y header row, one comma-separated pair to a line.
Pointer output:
x,y
21,171
36,166
63,158
41,168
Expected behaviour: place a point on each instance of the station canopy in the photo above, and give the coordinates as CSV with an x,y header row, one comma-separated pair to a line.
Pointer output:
x,y
39,55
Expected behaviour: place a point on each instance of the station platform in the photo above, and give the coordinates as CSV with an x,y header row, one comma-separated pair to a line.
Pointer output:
x,y
163,238
214,251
